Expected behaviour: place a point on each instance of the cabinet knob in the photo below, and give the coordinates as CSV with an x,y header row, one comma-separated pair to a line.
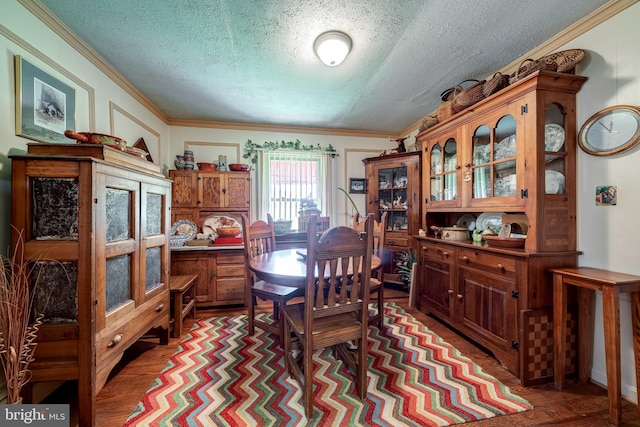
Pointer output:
x,y
465,259
159,307
450,291
224,191
500,267
459,296
392,242
445,254
115,340
213,275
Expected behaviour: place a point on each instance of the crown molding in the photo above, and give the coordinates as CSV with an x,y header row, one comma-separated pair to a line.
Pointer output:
x,y
277,128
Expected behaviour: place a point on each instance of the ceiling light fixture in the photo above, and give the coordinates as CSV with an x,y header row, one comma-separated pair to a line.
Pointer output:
x,y
332,47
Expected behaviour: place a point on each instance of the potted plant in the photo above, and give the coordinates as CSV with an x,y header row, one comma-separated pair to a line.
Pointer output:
x,y
17,330
404,264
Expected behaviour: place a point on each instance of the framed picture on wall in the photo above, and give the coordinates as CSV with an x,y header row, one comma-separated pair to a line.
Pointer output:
x,y
357,185
45,107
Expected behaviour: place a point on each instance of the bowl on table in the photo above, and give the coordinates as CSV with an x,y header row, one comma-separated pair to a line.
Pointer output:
x,y
238,167
228,231
203,166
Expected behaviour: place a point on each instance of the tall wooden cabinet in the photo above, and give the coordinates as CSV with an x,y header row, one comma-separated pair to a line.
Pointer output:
x,y
196,196
96,226
513,153
393,186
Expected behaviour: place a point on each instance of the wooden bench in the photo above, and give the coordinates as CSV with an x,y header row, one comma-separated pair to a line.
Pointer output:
x,y
611,285
179,287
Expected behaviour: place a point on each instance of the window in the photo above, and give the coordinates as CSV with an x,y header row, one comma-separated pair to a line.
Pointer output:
x,y
289,178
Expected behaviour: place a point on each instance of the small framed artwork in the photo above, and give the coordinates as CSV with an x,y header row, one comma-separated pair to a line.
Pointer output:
x,y
357,185
45,107
606,195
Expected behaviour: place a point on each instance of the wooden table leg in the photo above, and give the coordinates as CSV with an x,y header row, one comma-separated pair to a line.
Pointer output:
x,y
559,329
177,315
611,315
635,327
586,305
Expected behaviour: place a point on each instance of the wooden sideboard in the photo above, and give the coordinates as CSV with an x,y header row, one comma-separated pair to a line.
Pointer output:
x,y
96,227
513,153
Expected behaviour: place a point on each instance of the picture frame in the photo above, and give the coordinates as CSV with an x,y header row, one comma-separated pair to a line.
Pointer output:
x,y
45,107
357,185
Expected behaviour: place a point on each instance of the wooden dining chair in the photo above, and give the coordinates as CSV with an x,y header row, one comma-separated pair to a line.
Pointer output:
x,y
334,311
377,281
259,238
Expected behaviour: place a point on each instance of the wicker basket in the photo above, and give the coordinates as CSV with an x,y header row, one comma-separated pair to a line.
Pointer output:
x,y
527,67
466,97
565,60
445,111
428,122
496,83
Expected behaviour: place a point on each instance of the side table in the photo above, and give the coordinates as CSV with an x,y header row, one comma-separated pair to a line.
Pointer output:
x,y
611,285
179,286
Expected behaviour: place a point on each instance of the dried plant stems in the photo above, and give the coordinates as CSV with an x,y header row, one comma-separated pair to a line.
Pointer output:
x,y
17,335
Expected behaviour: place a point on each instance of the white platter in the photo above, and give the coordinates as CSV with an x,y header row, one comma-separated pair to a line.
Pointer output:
x,y
554,182
489,219
553,137
467,221
184,228
212,223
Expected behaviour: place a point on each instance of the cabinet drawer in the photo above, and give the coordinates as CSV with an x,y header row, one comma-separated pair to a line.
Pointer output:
x,y
397,241
116,337
230,258
503,265
230,291
230,270
439,253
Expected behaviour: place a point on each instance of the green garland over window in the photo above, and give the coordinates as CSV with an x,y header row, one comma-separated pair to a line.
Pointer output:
x,y
251,149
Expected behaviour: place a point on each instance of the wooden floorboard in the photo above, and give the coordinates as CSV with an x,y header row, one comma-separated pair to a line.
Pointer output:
x,y
583,405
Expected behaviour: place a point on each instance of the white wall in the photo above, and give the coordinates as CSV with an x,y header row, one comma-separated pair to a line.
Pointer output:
x,y
608,236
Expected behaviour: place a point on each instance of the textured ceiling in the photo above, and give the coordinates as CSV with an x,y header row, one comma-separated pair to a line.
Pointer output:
x,y
252,61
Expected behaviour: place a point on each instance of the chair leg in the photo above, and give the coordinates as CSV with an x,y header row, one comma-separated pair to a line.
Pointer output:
x,y
307,391
251,312
362,364
381,306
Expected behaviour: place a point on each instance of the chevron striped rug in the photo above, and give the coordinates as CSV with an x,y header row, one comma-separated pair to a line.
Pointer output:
x,y
221,376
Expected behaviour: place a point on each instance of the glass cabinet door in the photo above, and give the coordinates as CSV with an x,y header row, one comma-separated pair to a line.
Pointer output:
x,y
494,159
555,152
392,196
444,171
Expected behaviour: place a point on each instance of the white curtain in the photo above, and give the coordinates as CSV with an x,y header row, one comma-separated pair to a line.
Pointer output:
x,y
286,177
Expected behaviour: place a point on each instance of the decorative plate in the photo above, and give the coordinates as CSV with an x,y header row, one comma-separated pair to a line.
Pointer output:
x,y
491,220
553,137
554,182
212,223
185,228
467,221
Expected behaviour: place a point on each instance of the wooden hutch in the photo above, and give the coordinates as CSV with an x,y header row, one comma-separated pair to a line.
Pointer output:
x,y
95,223
196,196
393,186
493,159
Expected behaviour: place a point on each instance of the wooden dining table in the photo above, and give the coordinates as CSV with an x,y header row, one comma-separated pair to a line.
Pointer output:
x,y
288,267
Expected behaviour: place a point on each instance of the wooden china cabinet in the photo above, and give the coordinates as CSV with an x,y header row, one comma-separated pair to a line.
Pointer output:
x,y
393,186
511,156
196,196
95,223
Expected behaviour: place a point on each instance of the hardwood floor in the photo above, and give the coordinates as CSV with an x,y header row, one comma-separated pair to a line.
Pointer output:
x,y
578,405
